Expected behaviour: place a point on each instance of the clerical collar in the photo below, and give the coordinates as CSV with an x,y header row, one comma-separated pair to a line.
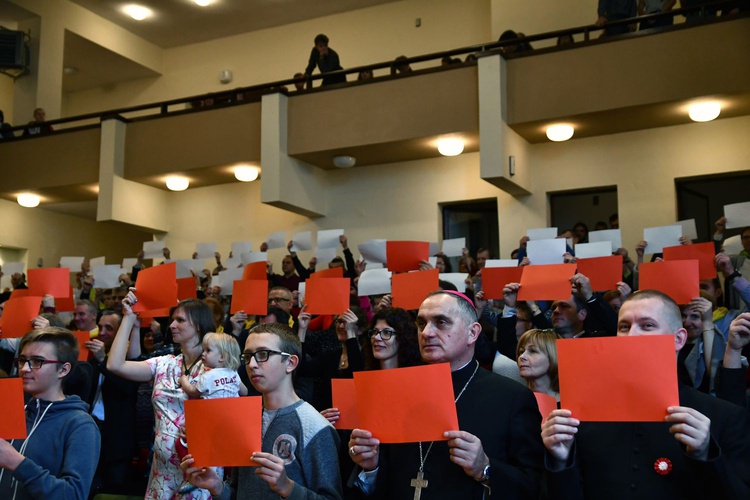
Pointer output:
x,y
461,376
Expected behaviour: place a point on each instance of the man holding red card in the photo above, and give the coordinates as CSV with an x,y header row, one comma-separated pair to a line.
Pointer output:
x,y
701,450
496,449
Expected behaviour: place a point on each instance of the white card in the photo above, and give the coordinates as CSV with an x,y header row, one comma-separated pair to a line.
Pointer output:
x,y
233,262
432,261
276,240
96,261
689,231
11,268
458,279
433,249
501,263
542,233
329,238
546,251
250,257
205,250
128,263
737,214
454,247
227,279
325,255
614,236
240,247
302,241
373,265
373,251
374,282
301,294
730,246
153,249
106,276
589,250
72,263
658,238
184,266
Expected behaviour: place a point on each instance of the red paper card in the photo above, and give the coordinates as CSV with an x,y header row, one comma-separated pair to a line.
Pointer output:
x,y
210,422
603,272
345,399
186,288
547,404
702,252
406,405
405,256
17,315
410,289
83,336
550,282
147,316
67,304
327,296
156,288
494,280
333,272
250,296
50,280
12,418
618,379
677,278
20,292
255,271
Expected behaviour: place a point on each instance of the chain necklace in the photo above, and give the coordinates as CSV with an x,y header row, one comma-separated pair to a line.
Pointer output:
x,y
419,482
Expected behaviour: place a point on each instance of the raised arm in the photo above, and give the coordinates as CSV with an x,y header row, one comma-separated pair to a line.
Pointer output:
x,y
138,371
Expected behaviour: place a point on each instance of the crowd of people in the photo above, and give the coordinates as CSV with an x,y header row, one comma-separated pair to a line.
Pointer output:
x,y
107,424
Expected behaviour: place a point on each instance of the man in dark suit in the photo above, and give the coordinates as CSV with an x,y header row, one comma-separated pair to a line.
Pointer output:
x,y
112,404
701,450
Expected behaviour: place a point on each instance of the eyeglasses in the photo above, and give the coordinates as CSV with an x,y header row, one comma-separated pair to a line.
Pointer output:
x,y
278,299
34,363
260,356
385,333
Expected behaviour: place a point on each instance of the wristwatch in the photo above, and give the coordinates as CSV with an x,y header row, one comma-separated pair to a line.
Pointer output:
x,y
485,478
736,274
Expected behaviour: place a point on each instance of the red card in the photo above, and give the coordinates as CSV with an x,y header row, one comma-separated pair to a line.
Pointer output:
x,y
250,296
255,271
210,422
618,379
20,292
327,296
547,404
50,280
550,282
410,289
67,304
156,288
677,278
17,315
603,272
406,405
702,252
345,399
186,288
82,336
147,316
405,256
494,280
12,418
333,272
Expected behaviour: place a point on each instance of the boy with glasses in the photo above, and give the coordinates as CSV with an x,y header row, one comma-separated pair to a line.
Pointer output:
x,y
59,455
299,457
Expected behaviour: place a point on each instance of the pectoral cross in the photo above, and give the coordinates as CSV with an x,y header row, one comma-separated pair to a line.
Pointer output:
x,y
418,483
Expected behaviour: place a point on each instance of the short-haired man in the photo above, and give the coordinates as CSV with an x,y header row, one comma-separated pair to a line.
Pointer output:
x,y
58,458
702,450
299,457
85,317
326,59
497,447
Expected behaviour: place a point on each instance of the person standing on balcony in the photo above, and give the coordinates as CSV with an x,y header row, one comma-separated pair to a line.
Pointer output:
x,y
326,59
615,10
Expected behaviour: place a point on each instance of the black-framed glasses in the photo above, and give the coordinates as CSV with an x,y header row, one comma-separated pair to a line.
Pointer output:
x,y
34,363
260,356
385,333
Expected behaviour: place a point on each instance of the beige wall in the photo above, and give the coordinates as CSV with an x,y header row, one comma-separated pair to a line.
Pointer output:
x,y
360,37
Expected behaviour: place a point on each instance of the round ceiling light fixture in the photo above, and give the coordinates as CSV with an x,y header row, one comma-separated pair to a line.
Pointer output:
x,y
137,12
560,132
28,200
344,161
450,146
246,173
176,183
203,3
704,111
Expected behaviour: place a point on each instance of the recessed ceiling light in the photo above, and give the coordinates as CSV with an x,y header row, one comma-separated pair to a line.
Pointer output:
x,y
344,161
137,12
704,111
450,146
560,132
176,183
203,3
70,70
28,200
246,173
